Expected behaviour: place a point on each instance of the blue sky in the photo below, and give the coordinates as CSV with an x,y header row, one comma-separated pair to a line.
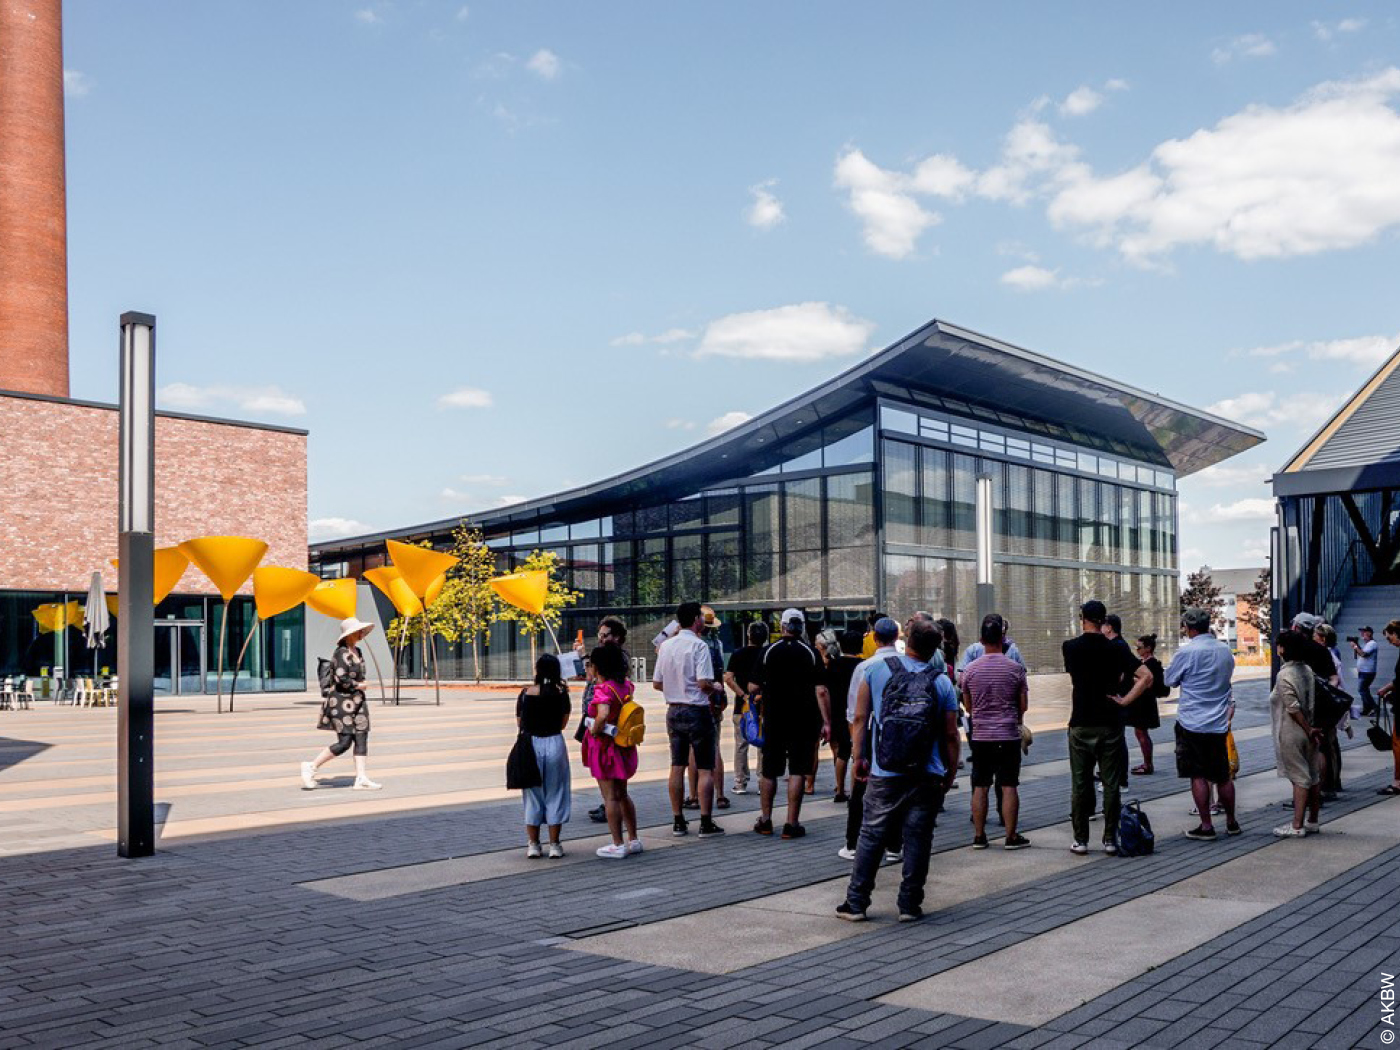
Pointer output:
x,y
487,251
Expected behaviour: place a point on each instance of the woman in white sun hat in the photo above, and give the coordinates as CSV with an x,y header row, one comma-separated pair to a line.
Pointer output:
x,y
344,709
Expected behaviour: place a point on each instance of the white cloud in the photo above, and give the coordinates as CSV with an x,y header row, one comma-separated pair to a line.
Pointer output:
x,y
1252,508
76,84
1082,100
463,13
1038,278
1325,31
1230,475
454,496
368,16
1116,84
1251,45
630,339
466,397
680,424
728,421
545,63
766,211
1366,350
1263,409
264,400
335,528
800,332
666,338
506,501
482,479
883,201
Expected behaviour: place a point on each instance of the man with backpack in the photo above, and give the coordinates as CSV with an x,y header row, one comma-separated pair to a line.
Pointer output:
x,y
912,758
886,633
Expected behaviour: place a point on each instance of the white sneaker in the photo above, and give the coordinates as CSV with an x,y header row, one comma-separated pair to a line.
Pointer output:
x,y
635,846
1079,849
532,851
1110,847
893,858
555,851
1312,828
846,854
308,777
366,784
611,852
1288,831
740,790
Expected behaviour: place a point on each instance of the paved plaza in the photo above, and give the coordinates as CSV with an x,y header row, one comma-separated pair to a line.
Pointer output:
x,y
410,917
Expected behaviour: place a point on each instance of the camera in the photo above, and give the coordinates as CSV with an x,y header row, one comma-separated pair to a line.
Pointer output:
x,y
1353,639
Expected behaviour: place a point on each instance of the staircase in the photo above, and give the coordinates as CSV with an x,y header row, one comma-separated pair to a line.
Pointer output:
x,y
1361,607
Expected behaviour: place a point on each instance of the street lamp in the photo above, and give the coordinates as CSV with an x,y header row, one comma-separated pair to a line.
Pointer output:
x,y
135,605
986,591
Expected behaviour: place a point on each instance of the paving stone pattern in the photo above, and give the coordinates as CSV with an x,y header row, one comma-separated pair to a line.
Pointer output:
x,y
215,944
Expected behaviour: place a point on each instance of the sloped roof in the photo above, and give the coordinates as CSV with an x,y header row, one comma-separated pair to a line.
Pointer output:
x,y
1358,447
939,359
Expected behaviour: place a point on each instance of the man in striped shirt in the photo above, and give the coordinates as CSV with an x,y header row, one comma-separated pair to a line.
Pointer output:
x,y
994,693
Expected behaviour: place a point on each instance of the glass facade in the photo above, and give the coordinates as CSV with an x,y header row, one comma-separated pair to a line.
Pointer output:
x,y
874,511
186,640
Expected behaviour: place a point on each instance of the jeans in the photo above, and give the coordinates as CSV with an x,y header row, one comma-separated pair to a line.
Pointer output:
x,y
1363,687
855,810
1090,746
910,804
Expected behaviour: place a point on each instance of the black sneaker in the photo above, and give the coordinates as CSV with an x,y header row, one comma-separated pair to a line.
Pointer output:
x,y
1017,841
793,831
599,815
708,828
1233,828
763,827
979,842
680,827
840,797
1201,834
845,911
910,914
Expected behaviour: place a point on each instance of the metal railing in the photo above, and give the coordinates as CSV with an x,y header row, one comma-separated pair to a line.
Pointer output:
x,y
1342,581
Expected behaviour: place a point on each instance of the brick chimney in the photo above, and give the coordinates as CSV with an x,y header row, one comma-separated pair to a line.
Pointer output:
x,y
33,211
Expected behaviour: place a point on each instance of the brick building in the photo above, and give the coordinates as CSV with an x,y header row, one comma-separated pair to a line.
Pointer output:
x,y
58,456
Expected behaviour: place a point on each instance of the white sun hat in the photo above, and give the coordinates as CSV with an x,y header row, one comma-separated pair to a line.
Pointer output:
x,y
352,626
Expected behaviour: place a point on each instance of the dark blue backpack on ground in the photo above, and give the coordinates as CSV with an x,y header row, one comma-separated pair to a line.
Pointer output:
x,y
907,730
1135,838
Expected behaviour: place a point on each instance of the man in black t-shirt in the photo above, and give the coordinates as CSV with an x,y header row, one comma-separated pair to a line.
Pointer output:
x,y
1113,631
1097,669
836,681
742,678
794,719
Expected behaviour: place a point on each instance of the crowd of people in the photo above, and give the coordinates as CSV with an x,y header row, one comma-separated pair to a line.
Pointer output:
x,y
893,703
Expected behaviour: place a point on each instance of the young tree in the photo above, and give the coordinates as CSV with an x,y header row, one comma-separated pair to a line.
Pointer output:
x,y
1201,592
558,597
1257,604
468,597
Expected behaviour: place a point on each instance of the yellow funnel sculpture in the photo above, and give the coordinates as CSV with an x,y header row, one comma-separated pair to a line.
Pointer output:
x,y
112,602
419,567
524,590
334,598
228,561
275,589
435,588
170,565
390,583
55,616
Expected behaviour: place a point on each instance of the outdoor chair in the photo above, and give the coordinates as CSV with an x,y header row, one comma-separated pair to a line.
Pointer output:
x,y
24,696
82,693
105,695
7,694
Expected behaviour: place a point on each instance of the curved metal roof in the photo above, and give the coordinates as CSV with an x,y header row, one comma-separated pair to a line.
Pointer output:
x,y
940,359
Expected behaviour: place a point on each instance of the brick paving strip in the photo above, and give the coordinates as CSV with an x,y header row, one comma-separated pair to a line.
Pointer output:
x,y
213,944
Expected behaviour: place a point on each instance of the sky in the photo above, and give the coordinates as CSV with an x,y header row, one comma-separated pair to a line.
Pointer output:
x,y
484,252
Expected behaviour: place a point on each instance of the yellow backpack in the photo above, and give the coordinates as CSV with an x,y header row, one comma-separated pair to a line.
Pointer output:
x,y
631,724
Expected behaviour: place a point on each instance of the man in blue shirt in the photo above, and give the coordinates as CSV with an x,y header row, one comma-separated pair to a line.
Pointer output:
x,y
1202,669
1365,651
909,801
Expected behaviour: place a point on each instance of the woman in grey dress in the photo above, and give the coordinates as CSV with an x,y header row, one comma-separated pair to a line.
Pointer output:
x,y
1296,740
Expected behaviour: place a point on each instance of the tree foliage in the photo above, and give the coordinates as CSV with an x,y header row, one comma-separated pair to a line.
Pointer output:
x,y
1257,604
1201,592
467,606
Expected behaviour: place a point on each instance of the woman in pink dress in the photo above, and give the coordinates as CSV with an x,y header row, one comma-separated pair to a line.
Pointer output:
x,y
611,766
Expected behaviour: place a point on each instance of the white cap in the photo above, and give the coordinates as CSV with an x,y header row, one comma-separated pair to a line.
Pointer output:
x,y
789,615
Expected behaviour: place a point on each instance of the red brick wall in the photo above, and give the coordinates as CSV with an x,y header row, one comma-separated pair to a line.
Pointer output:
x,y
58,492
33,225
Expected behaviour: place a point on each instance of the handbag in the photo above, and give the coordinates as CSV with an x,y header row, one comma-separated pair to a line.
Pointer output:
x,y
1381,737
522,768
1232,753
1026,738
1330,703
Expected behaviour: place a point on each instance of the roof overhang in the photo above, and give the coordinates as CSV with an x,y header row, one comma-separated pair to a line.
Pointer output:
x,y
940,358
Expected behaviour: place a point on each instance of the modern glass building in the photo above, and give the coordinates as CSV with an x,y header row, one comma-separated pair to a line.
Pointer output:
x,y
861,495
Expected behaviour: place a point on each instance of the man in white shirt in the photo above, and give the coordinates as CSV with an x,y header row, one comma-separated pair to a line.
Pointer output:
x,y
885,633
685,676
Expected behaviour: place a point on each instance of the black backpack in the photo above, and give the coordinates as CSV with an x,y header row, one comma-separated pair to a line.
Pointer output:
x,y
908,728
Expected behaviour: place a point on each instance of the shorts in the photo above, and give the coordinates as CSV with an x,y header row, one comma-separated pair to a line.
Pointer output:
x,y
841,737
793,752
691,727
1202,756
996,761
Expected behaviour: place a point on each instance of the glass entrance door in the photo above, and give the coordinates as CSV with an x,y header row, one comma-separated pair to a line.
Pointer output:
x,y
179,657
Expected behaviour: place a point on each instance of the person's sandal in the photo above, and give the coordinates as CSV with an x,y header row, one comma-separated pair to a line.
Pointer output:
x,y
1142,771
690,803
721,803
1389,789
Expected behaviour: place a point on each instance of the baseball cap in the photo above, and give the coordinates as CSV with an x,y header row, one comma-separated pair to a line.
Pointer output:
x,y
886,630
1368,629
1306,621
1196,619
789,615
